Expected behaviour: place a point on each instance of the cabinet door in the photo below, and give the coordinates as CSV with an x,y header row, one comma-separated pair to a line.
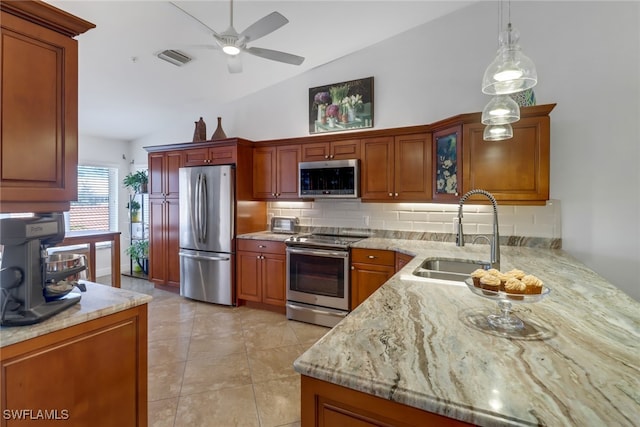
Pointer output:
x,y
163,174
366,279
273,279
39,120
196,157
248,276
447,162
172,227
288,157
412,178
264,173
345,150
377,169
513,170
316,152
224,155
156,240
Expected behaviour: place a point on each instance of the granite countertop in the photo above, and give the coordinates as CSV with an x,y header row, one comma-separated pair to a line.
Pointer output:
x,y
265,235
426,344
98,301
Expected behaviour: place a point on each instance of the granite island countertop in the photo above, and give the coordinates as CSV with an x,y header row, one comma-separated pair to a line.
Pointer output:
x,y
98,301
427,344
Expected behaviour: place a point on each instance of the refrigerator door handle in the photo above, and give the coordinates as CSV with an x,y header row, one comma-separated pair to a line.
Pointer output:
x,y
205,208
204,258
196,207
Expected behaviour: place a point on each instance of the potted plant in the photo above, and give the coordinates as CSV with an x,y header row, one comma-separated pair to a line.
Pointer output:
x,y
139,251
137,181
134,207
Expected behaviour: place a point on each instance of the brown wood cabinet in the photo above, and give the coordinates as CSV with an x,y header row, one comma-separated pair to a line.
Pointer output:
x,y
333,150
219,155
261,271
402,260
39,97
95,371
164,219
370,269
396,168
275,172
324,404
516,170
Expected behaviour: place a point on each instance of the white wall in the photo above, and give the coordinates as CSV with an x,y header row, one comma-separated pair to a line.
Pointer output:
x,y
97,151
588,60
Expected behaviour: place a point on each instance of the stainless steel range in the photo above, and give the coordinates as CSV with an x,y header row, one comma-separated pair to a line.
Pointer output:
x,y
318,267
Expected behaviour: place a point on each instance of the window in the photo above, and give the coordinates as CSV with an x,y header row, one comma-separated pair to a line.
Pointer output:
x,y
96,208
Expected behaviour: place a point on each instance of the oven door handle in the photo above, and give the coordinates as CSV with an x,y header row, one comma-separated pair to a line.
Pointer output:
x,y
334,254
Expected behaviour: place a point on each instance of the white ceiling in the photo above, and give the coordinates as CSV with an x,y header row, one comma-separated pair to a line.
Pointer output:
x,y
126,92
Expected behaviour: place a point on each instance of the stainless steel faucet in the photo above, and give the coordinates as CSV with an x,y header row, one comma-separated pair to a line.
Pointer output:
x,y
495,242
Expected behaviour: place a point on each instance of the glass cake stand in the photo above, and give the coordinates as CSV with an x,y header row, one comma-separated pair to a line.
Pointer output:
x,y
505,320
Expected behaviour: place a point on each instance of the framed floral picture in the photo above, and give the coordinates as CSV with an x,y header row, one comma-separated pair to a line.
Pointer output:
x,y
341,106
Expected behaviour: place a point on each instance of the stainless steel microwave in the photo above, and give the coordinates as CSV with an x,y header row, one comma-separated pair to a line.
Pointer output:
x,y
329,179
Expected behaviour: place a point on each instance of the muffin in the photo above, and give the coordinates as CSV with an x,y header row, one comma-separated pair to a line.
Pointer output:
x,y
503,279
514,288
533,284
476,275
518,274
491,283
493,271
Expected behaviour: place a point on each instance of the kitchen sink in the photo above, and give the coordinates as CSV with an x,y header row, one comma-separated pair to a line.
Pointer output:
x,y
448,268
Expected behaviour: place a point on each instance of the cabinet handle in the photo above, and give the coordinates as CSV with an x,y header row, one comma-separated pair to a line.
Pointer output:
x,y
262,246
326,157
331,156
372,257
390,194
396,194
278,194
352,267
273,194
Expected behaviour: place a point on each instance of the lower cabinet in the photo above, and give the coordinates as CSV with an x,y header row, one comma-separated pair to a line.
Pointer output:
x,y
370,269
324,404
90,374
402,260
164,243
261,269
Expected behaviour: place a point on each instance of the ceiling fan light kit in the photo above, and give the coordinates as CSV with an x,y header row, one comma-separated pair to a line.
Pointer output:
x,y
510,72
233,43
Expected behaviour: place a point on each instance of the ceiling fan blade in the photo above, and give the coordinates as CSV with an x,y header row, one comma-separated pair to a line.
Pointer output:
x,y
211,30
234,64
264,26
275,55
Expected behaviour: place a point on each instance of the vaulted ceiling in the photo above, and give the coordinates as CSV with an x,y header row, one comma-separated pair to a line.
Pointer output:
x,y
126,91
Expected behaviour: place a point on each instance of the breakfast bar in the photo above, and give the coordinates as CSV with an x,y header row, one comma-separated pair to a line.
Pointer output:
x,y
420,351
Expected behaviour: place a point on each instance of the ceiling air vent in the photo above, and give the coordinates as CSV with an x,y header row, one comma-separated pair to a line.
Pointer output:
x,y
175,57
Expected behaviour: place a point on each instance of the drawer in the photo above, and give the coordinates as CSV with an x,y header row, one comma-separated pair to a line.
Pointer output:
x,y
373,256
265,246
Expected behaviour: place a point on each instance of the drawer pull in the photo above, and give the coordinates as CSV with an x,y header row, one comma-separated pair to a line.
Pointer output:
x,y
372,257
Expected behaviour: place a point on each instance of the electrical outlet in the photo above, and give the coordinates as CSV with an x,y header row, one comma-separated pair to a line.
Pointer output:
x,y
454,223
366,219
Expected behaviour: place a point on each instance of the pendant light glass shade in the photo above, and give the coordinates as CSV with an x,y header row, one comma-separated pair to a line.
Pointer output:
x,y
497,132
511,71
500,110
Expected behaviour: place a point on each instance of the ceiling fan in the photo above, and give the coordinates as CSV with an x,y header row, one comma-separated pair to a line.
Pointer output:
x,y
233,43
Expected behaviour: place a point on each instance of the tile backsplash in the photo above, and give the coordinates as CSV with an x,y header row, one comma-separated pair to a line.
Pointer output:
x,y
522,221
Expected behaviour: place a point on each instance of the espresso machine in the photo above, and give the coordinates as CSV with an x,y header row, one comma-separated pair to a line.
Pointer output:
x,y
33,285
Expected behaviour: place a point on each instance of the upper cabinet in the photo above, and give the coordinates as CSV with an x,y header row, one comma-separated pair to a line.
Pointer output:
x,y
219,155
275,172
396,169
334,150
39,129
515,170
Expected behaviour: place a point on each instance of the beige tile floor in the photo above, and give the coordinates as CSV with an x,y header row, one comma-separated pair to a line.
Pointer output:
x,y
212,365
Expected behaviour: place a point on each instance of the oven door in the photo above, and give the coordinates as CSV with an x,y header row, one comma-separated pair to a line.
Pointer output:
x,y
318,277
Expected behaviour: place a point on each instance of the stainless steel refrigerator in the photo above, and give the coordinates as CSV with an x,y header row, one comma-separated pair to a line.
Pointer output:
x,y
207,201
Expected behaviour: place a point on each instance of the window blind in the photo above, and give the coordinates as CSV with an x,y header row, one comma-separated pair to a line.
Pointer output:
x,y
96,208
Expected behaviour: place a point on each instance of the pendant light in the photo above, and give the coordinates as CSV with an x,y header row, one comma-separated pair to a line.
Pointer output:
x,y
511,71
502,109
498,132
